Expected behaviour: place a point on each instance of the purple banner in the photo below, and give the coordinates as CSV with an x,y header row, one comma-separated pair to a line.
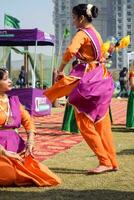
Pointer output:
x,y
25,37
34,101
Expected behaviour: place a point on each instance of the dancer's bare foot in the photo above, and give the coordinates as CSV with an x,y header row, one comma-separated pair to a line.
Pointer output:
x,y
101,169
115,169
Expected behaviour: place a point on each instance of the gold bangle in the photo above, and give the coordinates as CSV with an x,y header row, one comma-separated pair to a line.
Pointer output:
x,y
2,152
30,142
31,131
60,72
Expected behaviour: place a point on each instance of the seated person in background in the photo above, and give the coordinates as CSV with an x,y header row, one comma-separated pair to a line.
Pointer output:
x,y
17,166
22,78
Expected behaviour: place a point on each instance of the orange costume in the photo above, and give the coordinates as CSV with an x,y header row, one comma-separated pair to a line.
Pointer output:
x,y
14,172
98,134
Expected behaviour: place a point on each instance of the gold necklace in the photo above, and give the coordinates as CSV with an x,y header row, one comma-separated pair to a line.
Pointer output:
x,y
7,113
2,109
4,99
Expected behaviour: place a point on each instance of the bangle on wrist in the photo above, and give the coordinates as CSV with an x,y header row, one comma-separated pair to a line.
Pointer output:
x,y
30,142
3,152
31,132
60,72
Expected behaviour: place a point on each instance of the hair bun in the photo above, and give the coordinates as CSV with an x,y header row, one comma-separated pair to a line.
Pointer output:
x,y
94,11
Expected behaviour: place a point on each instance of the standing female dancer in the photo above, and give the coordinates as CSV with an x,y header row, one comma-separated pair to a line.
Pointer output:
x,y
89,87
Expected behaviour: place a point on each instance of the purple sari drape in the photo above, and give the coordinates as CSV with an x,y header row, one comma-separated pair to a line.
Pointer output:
x,y
93,93
79,70
9,138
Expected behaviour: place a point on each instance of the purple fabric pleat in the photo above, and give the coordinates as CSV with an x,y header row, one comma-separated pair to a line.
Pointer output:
x,y
78,70
95,42
11,141
93,94
9,138
15,119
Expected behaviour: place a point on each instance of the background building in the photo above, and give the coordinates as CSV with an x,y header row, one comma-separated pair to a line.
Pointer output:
x,y
115,19
124,19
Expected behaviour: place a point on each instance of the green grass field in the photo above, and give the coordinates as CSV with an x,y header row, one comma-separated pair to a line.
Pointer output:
x,y
71,167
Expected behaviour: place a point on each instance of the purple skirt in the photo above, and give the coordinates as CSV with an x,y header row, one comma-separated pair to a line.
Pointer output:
x,y
11,141
93,94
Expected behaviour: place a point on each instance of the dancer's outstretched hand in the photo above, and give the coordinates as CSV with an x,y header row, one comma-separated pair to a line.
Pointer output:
x,y
29,148
13,155
59,75
30,144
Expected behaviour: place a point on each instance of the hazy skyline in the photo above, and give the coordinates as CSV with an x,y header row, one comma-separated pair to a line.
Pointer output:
x,y
31,13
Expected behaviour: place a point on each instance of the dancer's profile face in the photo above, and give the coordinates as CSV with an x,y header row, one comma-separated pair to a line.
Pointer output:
x,y
79,21
76,21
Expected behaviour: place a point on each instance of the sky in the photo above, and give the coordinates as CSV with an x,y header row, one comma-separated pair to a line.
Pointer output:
x,y
31,13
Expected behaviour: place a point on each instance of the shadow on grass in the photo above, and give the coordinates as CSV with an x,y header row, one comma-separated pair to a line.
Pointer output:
x,y
68,171
66,194
121,129
54,134
57,128
48,122
126,152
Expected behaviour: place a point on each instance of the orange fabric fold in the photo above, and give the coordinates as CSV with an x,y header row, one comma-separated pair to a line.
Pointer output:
x,y
61,88
30,172
99,138
104,129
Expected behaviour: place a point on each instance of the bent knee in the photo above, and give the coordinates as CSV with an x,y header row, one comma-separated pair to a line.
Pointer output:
x,y
7,175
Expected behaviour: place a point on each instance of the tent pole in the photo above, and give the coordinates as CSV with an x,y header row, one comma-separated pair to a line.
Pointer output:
x,y
8,63
52,65
42,70
26,64
35,62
